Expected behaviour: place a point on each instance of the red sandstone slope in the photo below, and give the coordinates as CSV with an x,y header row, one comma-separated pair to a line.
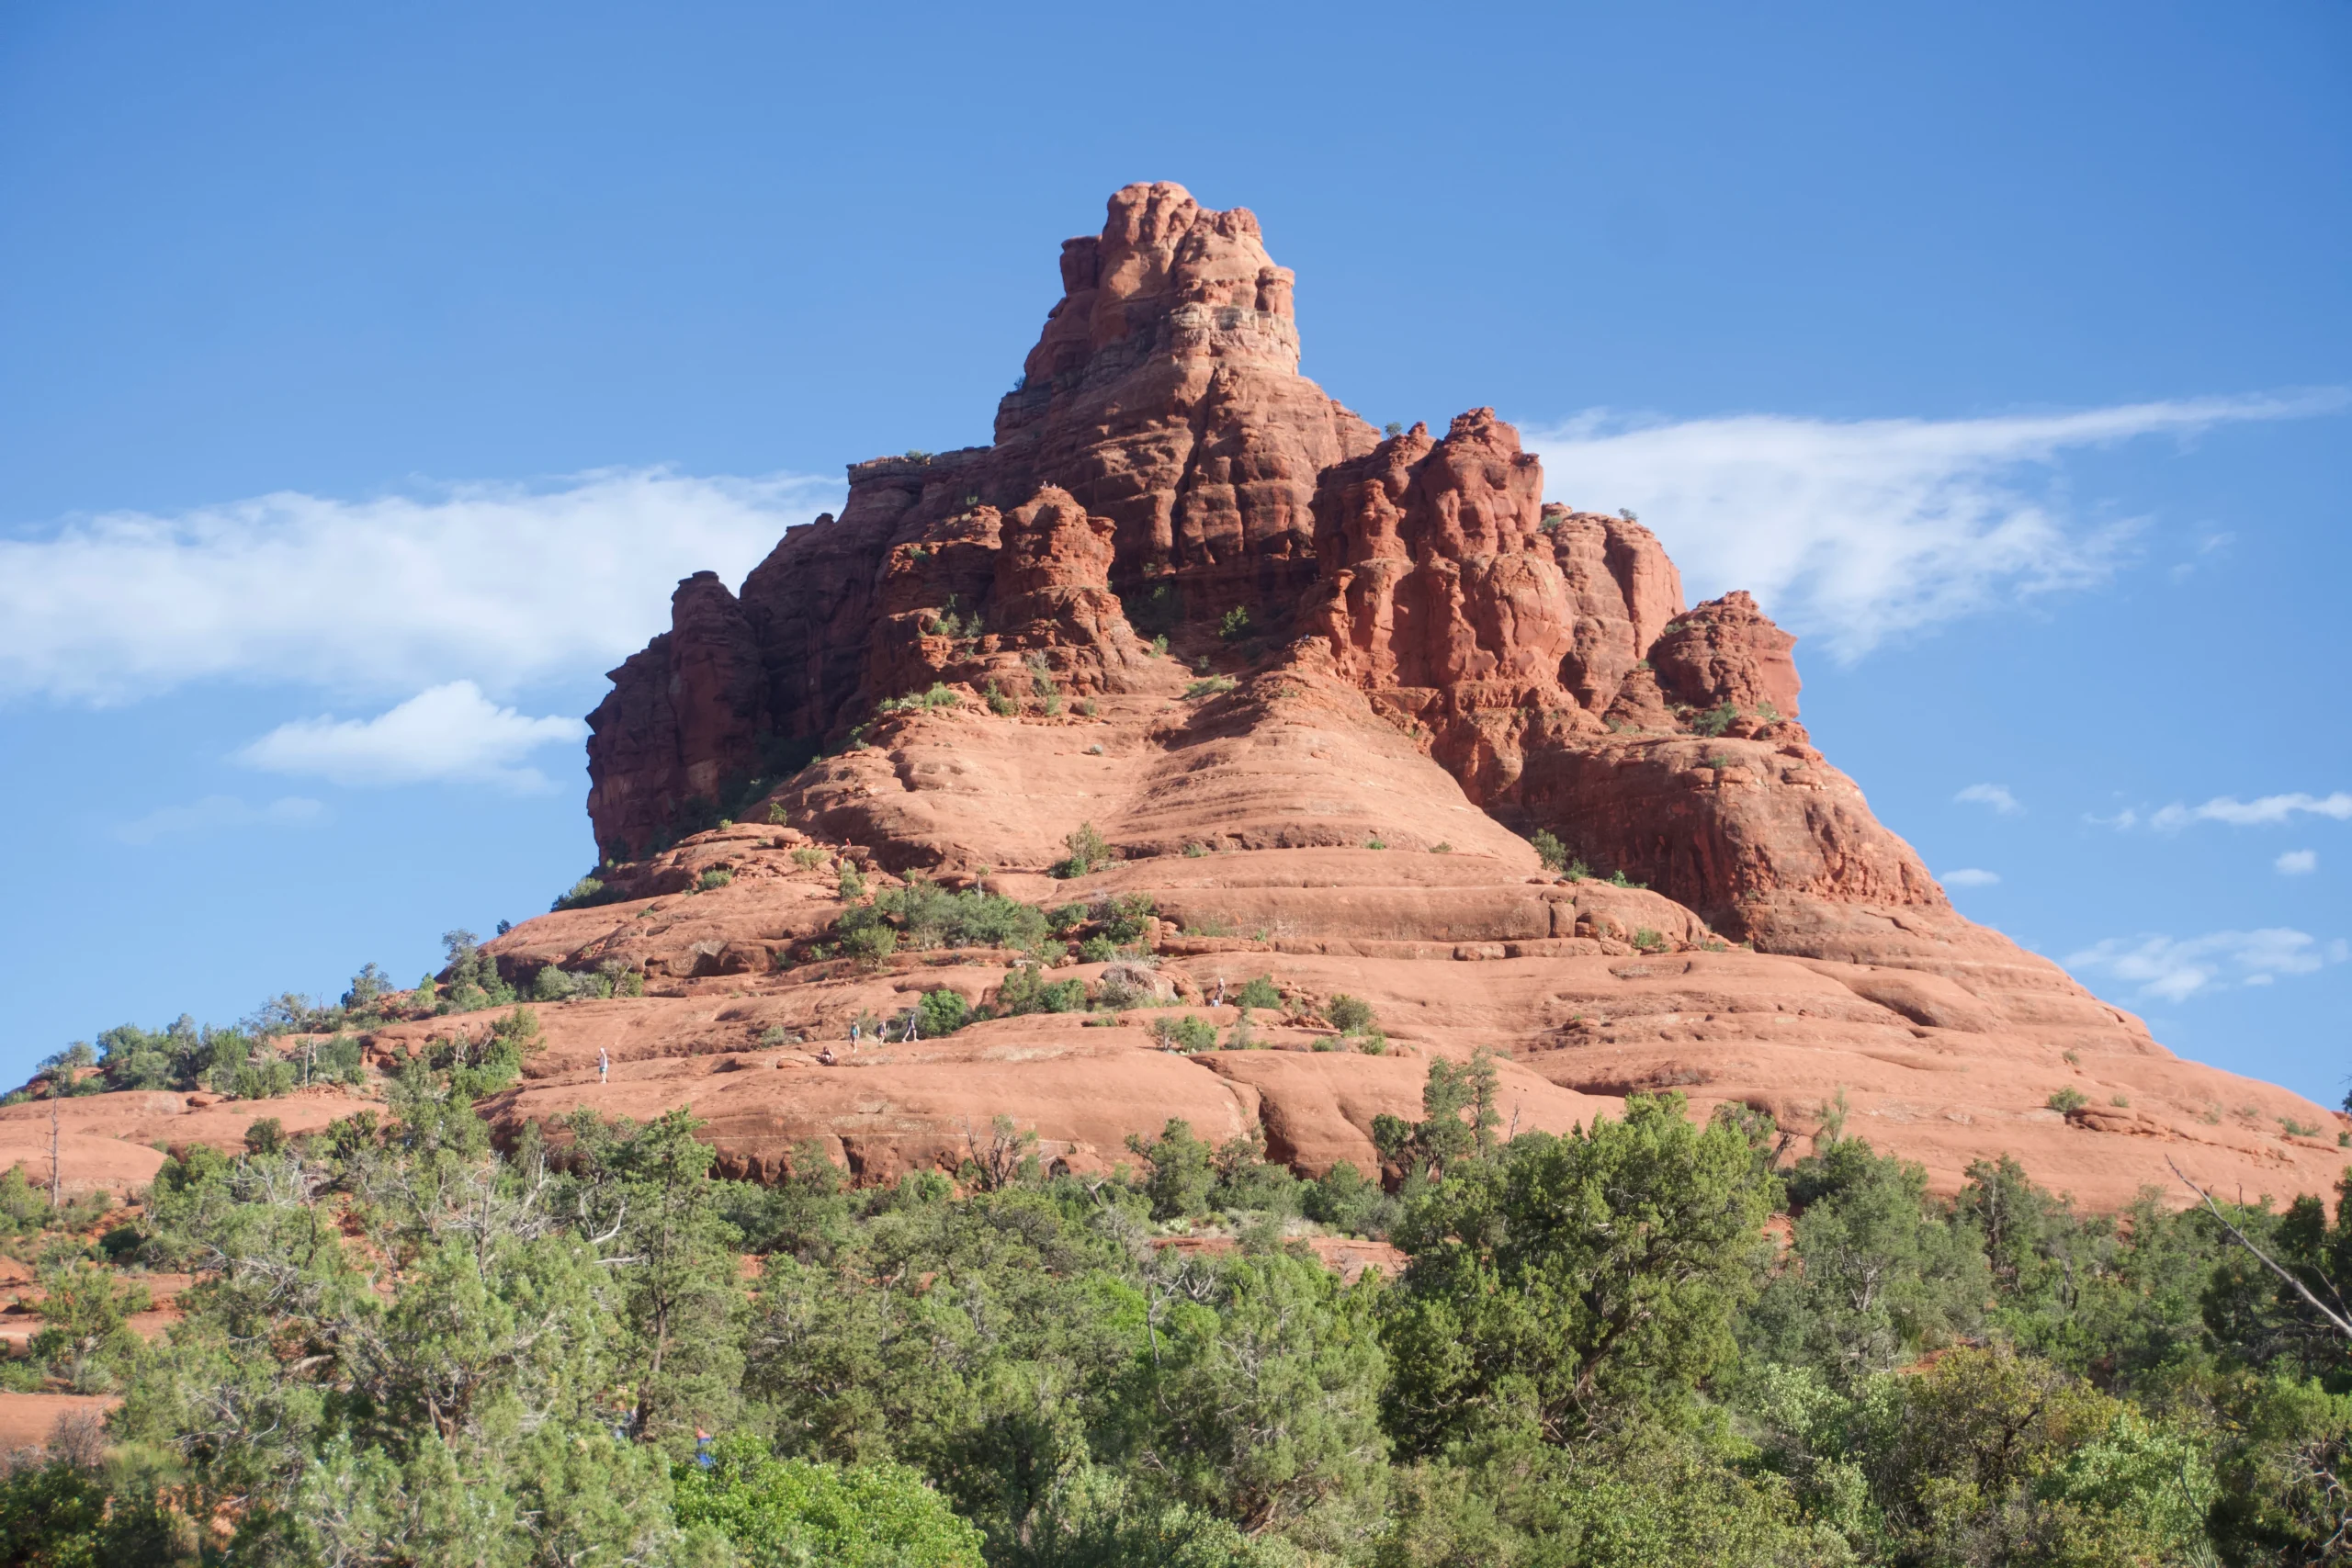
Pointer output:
x,y
1385,660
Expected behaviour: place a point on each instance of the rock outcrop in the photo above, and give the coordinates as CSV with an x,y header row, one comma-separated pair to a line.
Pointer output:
x,y
1316,687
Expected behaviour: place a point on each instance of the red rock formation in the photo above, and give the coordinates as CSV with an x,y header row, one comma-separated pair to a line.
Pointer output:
x,y
1432,663
1164,394
1725,652
1163,397
683,716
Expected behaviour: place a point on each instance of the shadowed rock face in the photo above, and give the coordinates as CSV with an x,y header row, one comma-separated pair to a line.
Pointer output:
x,y
1384,660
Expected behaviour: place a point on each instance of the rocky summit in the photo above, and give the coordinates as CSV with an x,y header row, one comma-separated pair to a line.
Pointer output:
x,y
1195,668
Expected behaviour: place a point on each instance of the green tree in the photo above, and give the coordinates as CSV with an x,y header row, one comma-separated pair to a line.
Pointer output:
x,y
1443,1138
1264,1398
785,1513
1879,1271
1184,1168
657,1211
1576,1282
85,1336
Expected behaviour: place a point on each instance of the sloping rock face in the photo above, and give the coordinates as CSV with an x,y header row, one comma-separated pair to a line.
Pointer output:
x,y
1314,684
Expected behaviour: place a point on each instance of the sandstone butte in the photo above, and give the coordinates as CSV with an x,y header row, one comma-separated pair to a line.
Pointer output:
x,y
1387,664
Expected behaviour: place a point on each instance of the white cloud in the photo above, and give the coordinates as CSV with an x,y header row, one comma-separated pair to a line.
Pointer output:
x,y
1997,796
2297,863
218,811
499,583
2177,970
1969,876
2268,811
1855,531
450,732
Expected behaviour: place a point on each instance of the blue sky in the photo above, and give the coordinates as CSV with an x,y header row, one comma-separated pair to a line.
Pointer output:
x,y
369,377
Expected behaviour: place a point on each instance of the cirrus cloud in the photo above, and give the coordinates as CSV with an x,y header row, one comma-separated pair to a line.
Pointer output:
x,y
1857,531
500,583
2176,969
2268,812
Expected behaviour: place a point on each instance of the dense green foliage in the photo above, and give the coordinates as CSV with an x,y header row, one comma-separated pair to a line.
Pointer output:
x,y
406,1348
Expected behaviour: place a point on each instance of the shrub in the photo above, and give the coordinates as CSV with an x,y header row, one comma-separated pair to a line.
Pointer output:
x,y
999,703
778,812
1549,849
1088,851
2295,1129
586,893
1345,1200
1375,842
2067,1100
1208,687
1026,989
1441,848
552,985
1349,1015
1234,624
870,944
943,1012
808,857
930,916
1578,871
1126,919
777,1512
1648,940
1097,949
1716,720
1187,1034
1194,852
1160,646
1260,993
714,877
1181,1171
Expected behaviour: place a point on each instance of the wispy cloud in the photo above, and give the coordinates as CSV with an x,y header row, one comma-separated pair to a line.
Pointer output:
x,y
1997,796
2297,863
2178,969
449,732
2268,811
501,584
218,811
1855,531
1971,876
